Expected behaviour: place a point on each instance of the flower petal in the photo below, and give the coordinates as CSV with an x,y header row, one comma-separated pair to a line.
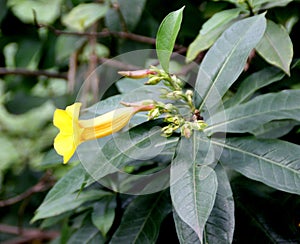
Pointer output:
x,y
65,146
63,121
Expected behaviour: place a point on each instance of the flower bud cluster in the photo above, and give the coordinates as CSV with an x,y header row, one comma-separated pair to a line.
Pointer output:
x,y
173,91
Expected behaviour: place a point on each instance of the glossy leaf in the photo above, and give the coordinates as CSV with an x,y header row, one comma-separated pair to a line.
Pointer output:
x,y
258,111
225,60
142,219
210,31
274,129
84,15
185,234
273,162
66,203
166,37
276,47
193,184
104,213
220,224
253,83
142,142
87,234
70,183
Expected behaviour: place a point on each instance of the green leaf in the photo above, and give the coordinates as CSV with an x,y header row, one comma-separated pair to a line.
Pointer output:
x,y
104,213
193,183
127,85
276,47
66,203
274,129
66,45
70,183
87,234
185,234
256,112
130,11
166,37
266,4
210,31
220,224
46,11
273,162
142,142
84,15
225,60
253,83
142,219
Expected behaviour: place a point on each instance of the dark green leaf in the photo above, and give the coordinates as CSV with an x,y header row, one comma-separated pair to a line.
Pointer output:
x,y
220,224
275,163
193,184
142,142
185,234
70,183
253,83
166,37
66,203
225,60
88,234
276,47
142,219
104,213
274,129
258,111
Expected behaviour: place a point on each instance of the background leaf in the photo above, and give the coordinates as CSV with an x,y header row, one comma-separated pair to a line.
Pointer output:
x,y
131,11
220,224
276,46
166,37
210,31
104,213
84,15
142,219
225,60
46,11
87,234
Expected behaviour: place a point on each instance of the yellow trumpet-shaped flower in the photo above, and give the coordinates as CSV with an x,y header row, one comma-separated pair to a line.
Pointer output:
x,y
74,131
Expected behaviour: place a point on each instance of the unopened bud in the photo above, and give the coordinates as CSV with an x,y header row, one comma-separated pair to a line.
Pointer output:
x,y
153,80
154,113
186,131
137,74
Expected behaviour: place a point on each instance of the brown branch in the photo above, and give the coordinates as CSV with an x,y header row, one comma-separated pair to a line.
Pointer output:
x,y
27,235
45,183
107,33
26,72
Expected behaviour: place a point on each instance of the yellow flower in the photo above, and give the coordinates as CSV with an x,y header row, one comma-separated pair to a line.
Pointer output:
x,y
74,131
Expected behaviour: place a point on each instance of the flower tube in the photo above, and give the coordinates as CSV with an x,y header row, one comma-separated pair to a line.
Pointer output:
x,y
74,131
